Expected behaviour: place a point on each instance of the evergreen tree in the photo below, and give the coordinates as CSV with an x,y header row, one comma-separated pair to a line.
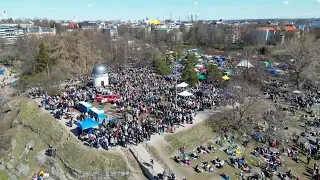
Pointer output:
x,y
213,73
42,58
189,75
192,60
161,67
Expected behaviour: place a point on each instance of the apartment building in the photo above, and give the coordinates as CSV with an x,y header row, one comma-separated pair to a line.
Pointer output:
x,y
40,31
138,31
235,36
9,35
86,25
112,32
265,34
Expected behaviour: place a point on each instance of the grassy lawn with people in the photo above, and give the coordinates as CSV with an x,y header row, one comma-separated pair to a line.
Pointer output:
x,y
199,134
302,169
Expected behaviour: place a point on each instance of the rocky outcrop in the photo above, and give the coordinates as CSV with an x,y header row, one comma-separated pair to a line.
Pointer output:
x,y
52,167
57,172
23,169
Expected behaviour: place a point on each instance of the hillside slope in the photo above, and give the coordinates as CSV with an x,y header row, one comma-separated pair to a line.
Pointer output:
x,y
23,125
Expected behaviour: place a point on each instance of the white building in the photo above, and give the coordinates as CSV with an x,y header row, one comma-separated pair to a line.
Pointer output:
x,y
100,75
10,34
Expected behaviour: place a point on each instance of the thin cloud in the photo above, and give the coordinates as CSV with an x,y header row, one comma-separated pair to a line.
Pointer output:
x,y
286,2
318,1
196,3
90,5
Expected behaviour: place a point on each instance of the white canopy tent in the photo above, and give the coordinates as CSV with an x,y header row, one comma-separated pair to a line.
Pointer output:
x,y
182,85
296,92
245,63
185,94
199,66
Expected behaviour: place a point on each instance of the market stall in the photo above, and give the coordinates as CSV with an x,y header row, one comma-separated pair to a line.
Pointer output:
x,y
84,107
97,113
87,124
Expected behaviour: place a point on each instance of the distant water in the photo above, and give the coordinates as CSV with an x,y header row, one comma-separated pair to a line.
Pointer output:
x,y
317,23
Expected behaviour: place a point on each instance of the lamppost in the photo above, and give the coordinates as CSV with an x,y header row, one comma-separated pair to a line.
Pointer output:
x,y
176,77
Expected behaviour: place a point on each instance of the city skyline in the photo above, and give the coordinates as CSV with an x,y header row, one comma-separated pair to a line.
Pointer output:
x,y
164,9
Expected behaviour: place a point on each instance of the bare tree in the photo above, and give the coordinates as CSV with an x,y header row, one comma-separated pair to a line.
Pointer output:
x,y
304,51
274,125
25,51
242,99
218,36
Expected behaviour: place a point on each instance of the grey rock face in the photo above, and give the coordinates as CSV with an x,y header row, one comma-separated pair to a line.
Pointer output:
x,y
23,169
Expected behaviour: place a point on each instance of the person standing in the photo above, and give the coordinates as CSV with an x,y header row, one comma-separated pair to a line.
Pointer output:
x,y
308,159
164,175
241,175
151,162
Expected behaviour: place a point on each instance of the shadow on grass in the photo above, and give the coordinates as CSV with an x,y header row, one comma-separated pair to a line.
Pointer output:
x,y
309,172
75,131
147,164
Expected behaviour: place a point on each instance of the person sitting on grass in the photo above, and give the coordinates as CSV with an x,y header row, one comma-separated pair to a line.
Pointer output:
x,y
216,160
205,149
187,162
197,169
255,153
194,156
210,168
245,168
200,150
220,165
204,165
212,148
177,159
225,176
230,152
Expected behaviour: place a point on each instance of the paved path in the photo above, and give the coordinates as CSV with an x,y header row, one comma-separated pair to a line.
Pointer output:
x,y
158,140
146,157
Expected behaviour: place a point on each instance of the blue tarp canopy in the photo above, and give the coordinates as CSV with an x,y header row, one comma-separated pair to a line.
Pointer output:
x,y
87,123
219,60
274,71
271,69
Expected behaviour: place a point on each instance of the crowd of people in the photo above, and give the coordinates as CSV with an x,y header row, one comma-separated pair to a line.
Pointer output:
x,y
148,105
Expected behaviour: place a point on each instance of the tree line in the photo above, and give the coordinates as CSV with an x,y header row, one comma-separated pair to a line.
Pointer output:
x,y
74,53
54,58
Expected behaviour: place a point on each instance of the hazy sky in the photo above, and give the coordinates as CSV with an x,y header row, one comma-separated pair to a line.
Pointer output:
x,y
139,9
